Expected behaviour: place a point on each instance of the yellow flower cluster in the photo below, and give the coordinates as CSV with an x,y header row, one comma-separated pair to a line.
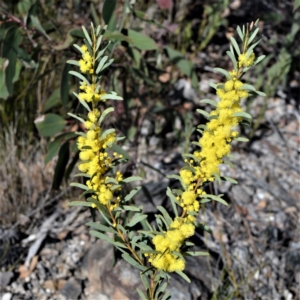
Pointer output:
x,y
87,64
243,62
180,229
215,141
96,160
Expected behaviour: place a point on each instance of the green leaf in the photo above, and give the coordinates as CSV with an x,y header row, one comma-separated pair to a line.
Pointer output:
x,y
106,133
63,159
53,147
184,276
104,114
196,253
224,72
76,117
24,6
217,177
253,35
176,57
53,100
216,198
86,35
241,139
296,5
165,214
203,112
132,194
133,262
239,31
10,49
204,227
80,76
119,150
174,201
99,40
259,59
136,219
177,177
3,89
141,41
78,48
108,9
131,178
211,102
161,289
191,156
49,124
101,64
145,281
80,185
65,85
141,294
229,179
242,114
80,203
37,25
166,296
111,96
235,45
100,227
131,208
233,59
82,102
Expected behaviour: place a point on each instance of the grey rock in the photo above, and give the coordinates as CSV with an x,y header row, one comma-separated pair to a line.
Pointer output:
x,y
72,289
6,296
5,278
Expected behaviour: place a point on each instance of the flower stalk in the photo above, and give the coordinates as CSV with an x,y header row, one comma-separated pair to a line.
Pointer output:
x,y
161,250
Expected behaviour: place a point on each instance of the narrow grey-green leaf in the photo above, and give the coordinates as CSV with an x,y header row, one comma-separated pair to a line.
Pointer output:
x,y
136,219
80,203
100,227
76,117
184,276
78,48
106,133
80,185
239,31
104,114
242,114
235,45
133,262
131,178
107,64
132,208
80,76
197,253
131,194
87,36
73,62
229,179
165,214
253,35
111,96
141,294
101,64
209,101
203,112
224,72
241,139
233,59
174,201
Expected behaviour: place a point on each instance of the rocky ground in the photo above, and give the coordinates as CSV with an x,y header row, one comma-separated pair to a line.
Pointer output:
x,y
255,243
254,248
